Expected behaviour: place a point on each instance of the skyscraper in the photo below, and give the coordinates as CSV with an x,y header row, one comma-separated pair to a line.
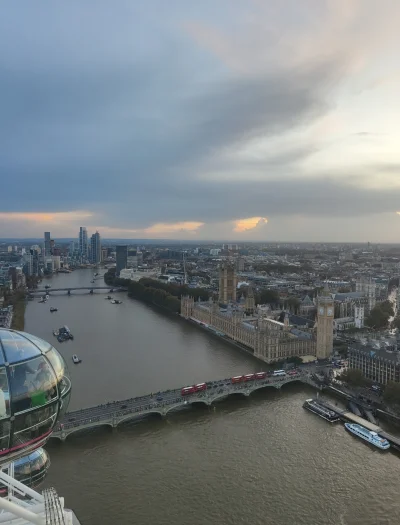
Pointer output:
x,y
95,244
122,257
83,243
47,249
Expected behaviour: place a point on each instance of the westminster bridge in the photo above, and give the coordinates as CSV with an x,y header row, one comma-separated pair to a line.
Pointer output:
x,y
48,291
113,413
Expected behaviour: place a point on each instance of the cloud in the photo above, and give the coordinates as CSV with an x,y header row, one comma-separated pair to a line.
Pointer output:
x,y
186,119
41,218
244,225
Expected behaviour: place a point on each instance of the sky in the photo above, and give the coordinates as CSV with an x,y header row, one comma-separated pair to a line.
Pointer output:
x,y
238,120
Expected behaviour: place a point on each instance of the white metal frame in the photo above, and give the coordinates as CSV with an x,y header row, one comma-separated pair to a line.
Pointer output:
x,y
30,507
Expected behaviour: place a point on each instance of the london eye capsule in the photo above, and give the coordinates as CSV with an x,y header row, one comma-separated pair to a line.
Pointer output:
x,y
29,470
35,389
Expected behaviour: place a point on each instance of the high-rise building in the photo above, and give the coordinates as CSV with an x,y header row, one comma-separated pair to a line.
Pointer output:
x,y
47,247
27,261
95,248
121,257
132,259
325,316
83,243
227,284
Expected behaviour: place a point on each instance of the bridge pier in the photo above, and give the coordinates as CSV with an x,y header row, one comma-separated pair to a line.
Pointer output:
x,y
63,436
69,292
91,292
114,422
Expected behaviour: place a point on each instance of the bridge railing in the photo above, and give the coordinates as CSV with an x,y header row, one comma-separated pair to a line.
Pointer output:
x,y
150,403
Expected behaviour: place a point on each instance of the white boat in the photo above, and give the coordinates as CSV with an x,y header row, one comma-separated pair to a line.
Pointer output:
x,y
368,435
76,359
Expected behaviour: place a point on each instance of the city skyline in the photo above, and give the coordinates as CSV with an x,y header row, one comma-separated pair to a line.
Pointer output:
x,y
252,122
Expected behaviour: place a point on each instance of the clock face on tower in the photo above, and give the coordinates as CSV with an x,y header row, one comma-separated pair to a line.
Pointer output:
x,y
321,310
330,311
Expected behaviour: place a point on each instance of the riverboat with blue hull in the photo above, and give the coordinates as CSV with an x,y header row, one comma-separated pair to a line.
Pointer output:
x,y
368,435
313,406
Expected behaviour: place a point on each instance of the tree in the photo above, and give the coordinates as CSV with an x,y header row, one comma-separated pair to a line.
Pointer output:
x,y
379,315
387,307
296,360
391,395
396,322
293,304
267,297
354,377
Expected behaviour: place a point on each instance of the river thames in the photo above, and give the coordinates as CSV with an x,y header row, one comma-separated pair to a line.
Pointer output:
x,y
259,460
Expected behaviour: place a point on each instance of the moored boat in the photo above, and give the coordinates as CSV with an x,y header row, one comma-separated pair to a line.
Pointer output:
x,y
76,359
368,435
313,406
52,309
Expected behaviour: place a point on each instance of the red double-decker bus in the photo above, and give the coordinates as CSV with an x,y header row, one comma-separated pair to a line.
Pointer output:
x,y
261,375
200,387
186,390
249,377
237,379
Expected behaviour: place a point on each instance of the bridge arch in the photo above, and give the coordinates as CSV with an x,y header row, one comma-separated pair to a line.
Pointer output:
x,y
136,415
227,394
200,402
261,387
69,431
291,381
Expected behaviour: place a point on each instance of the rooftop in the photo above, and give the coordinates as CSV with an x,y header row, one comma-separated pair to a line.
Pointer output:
x,y
369,350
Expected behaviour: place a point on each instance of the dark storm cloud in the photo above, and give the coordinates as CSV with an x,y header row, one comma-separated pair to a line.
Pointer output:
x,y
132,131
312,197
137,132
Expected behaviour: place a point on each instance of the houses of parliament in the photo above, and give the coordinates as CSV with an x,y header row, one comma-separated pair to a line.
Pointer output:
x,y
249,325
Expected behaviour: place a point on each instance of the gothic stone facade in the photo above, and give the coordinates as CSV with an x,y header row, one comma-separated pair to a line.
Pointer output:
x,y
270,341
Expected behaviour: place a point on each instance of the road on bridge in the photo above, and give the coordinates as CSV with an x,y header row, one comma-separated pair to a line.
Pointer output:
x,y
71,288
161,402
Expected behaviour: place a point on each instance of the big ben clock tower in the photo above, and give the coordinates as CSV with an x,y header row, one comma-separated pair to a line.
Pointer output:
x,y
325,316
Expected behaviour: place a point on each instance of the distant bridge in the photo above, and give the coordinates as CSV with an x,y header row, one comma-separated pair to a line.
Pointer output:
x,y
116,412
71,288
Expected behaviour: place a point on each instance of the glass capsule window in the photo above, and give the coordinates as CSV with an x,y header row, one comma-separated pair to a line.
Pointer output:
x,y
35,389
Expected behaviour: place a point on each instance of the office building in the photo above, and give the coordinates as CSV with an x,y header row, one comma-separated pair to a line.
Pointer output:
x,y
132,259
95,248
121,258
47,246
27,264
378,363
83,243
